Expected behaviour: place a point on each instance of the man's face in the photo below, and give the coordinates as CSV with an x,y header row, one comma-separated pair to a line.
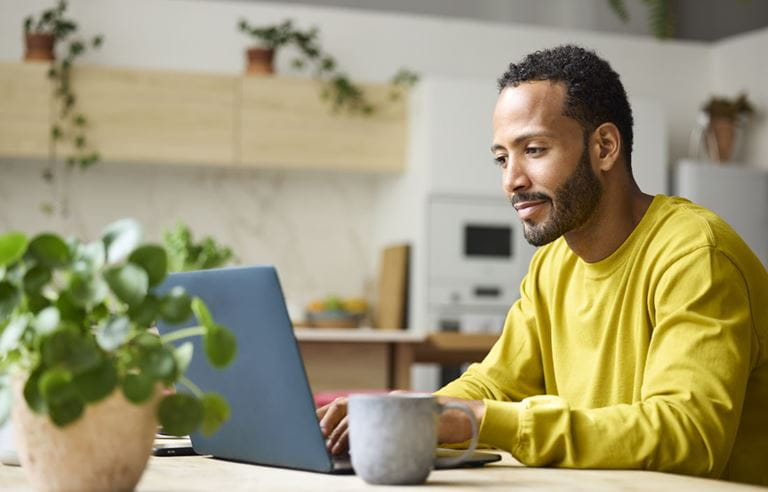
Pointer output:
x,y
547,171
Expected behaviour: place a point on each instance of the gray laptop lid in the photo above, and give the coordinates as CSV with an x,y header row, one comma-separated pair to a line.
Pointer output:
x,y
272,418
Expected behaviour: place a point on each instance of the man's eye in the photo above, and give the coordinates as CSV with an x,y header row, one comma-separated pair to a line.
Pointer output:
x,y
500,160
534,150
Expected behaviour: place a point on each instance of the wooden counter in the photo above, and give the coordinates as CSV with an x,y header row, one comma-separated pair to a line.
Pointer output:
x,y
195,473
352,359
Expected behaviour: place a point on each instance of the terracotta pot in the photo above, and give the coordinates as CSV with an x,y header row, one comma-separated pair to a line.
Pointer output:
x,y
259,61
107,448
722,134
39,47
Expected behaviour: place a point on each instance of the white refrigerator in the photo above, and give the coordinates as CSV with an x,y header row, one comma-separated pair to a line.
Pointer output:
x,y
736,193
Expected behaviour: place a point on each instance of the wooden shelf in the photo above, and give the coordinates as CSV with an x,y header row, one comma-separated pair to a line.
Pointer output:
x,y
156,116
285,123
163,117
25,109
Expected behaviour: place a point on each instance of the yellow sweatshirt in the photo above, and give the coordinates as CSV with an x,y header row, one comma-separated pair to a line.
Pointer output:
x,y
653,358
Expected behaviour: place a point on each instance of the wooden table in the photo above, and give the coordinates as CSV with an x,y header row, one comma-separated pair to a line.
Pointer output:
x,y
206,474
350,359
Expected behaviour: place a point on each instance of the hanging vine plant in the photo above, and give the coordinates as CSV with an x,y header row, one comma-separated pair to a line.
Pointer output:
x,y
69,126
337,89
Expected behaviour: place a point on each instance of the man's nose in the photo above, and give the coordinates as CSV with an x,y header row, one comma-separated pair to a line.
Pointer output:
x,y
514,178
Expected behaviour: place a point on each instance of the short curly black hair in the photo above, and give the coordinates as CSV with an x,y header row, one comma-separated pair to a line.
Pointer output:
x,y
594,93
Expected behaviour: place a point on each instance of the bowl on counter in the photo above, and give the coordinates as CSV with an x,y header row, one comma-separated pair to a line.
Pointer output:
x,y
333,319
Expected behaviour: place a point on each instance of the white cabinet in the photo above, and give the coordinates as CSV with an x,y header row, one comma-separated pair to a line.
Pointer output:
x,y
736,193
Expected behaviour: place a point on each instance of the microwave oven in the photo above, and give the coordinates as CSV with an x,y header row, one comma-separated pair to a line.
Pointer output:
x,y
477,256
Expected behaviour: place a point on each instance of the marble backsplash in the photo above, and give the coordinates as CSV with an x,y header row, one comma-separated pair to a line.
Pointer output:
x,y
316,227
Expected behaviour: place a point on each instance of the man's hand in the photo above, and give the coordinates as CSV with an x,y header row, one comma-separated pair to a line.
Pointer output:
x,y
454,426
334,425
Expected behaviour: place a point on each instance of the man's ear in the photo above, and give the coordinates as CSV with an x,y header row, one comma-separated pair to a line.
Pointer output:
x,y
608,141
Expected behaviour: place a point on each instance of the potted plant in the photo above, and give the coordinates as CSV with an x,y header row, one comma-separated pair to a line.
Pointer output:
x,y
724,118
184,253
85,367
336,88
41,34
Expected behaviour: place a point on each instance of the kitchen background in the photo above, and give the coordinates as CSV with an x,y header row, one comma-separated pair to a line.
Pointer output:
x,y
325,230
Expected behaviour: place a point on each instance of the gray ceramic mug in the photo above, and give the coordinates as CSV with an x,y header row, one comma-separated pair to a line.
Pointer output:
x,y
393,438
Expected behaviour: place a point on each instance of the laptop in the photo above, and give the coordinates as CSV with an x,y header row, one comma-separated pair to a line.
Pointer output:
x,y
272,420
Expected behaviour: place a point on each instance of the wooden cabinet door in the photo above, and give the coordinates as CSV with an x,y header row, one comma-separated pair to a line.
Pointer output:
x,y
25,109
159,116
284,124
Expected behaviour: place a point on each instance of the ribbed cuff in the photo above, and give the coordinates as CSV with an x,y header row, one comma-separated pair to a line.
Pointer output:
x,y
500,424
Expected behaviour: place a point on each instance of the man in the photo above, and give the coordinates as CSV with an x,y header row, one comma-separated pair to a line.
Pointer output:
x,y
639,339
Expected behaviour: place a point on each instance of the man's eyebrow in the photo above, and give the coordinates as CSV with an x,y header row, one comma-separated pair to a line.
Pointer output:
x,y
522,138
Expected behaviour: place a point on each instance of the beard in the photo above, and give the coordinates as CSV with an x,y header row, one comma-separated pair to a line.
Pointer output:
x,y
573,205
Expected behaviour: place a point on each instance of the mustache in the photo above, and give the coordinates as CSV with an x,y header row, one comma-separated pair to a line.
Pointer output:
x,y
528,197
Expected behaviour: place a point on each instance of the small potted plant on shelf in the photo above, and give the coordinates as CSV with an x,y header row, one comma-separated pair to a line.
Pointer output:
x,y
41,34
724,120
89,375
337,89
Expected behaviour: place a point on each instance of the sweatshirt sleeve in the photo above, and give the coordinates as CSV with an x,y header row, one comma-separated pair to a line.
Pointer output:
x,y
700,356
512,369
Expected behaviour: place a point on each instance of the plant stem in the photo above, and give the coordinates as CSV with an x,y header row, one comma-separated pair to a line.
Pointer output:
x,y
191,386
192,331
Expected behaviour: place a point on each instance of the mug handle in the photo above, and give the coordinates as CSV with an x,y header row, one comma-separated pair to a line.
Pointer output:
x,y
449,462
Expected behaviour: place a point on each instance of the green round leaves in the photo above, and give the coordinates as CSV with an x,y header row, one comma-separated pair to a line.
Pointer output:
x,y
47,320
215,413
138,387
175,306
49,250
201,313
183,354
113,332
64,402
87,290
145,313
153,259
68,349
97,383
158,363
12,247
120,239
9,299
35,278
32,395
220,345
128,282
180,414
89,257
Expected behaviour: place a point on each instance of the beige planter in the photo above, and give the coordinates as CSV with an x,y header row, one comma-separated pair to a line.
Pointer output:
x,y
107,448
